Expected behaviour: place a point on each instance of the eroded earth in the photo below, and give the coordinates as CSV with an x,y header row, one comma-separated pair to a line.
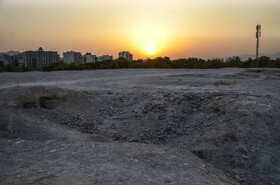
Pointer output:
x,y
140,126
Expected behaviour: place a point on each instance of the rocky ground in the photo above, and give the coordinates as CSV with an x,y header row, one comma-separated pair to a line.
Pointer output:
x,y
140,126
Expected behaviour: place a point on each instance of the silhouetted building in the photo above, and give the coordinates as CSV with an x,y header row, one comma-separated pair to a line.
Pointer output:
x,y
105,57
20,60
37,59
126,55
88,58
29,58
72,57
3,60
11,59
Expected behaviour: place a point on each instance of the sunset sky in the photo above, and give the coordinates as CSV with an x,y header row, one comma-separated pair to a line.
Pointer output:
x,y
147,28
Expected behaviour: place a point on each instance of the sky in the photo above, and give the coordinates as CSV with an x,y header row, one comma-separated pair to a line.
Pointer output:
x,y
146,28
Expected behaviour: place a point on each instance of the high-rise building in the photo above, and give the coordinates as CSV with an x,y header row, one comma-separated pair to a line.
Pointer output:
x,y
3,60
126,55
105,57
88,58
72,57
29,58
11,59
37,59
20,60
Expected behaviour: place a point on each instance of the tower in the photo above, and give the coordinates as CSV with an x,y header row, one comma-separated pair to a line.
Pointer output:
x,y
258,35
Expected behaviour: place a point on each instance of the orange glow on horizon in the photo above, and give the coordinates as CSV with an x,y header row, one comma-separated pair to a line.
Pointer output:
x,y
147,28
149,39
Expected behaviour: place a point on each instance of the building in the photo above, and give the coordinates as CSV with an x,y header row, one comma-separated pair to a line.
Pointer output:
x,y
88,58
29,58
105,57
20,60
11,59
126,55
10,56
6,60
37,59
72,57
3,60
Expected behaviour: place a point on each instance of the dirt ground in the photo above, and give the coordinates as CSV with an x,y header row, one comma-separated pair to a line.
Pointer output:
x,y
140,126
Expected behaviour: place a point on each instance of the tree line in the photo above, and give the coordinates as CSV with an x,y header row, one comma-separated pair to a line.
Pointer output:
x,y
159,62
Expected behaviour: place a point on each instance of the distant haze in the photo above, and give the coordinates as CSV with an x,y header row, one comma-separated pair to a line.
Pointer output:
x,y
147,28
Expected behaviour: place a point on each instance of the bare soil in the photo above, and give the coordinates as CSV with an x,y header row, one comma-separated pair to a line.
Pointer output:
x,y
140,126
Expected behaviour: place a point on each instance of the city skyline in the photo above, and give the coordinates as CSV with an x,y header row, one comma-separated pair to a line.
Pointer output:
x,y
148,29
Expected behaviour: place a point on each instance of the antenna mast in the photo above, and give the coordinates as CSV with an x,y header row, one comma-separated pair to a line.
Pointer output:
x,y
258,35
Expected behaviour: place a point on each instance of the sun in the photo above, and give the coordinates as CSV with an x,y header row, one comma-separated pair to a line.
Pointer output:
x,y
150,39
150,50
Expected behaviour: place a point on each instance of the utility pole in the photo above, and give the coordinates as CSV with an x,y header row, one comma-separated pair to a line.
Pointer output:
x,y
258,35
